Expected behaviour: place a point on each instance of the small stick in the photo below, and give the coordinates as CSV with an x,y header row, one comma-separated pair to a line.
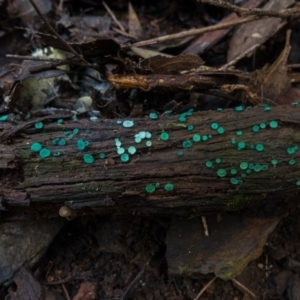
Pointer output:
x,y
134,281
205,226
242,11
191,32
66,292
113,16
242,288
205,288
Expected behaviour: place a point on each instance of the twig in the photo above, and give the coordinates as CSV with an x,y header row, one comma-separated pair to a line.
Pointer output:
x,y
113,16
242,288
66,292
134,281
242,11
234,61
52,62
56,34
191,32
203,218
205,288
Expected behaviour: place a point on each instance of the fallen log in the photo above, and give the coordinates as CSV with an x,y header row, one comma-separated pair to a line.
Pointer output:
x,y
213,161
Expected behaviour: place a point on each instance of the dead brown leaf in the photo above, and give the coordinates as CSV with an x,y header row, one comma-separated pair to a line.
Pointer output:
x,y
256,32
135,28
172,65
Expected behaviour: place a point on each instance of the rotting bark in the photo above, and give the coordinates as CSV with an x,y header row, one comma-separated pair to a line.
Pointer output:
x,y
32,187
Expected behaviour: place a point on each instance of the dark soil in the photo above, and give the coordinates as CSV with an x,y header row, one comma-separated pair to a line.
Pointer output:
x,y
112,253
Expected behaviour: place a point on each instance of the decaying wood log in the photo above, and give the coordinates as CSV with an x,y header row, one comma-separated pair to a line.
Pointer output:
x,y
34,187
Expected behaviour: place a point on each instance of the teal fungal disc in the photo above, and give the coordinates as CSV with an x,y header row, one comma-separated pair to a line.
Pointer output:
x,y
196,138
169,187
264,167
131,150
257,168
164,136
75,131
137,139
39,125
190,127
209,164
66,132
93,119
187,144
214,126
45,152
148,135
190,112
218,160
233,141
220,130
292,162
221,172
118,143
243,165
259,147
241,145
180,153
148,143
119,122
36,147
239,108
262,125
80,144
150,188
182,119
233,171
168,112
255,128
120,150
128,123
88,158
60,121
239,132
273,124
4,118
55,141
298,182
124,157
102,155
153,116
234,181
57,153
62,142
274,162
142,134
204,138
291,150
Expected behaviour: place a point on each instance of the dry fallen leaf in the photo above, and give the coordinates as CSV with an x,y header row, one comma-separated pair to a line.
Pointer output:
x,y
256,32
